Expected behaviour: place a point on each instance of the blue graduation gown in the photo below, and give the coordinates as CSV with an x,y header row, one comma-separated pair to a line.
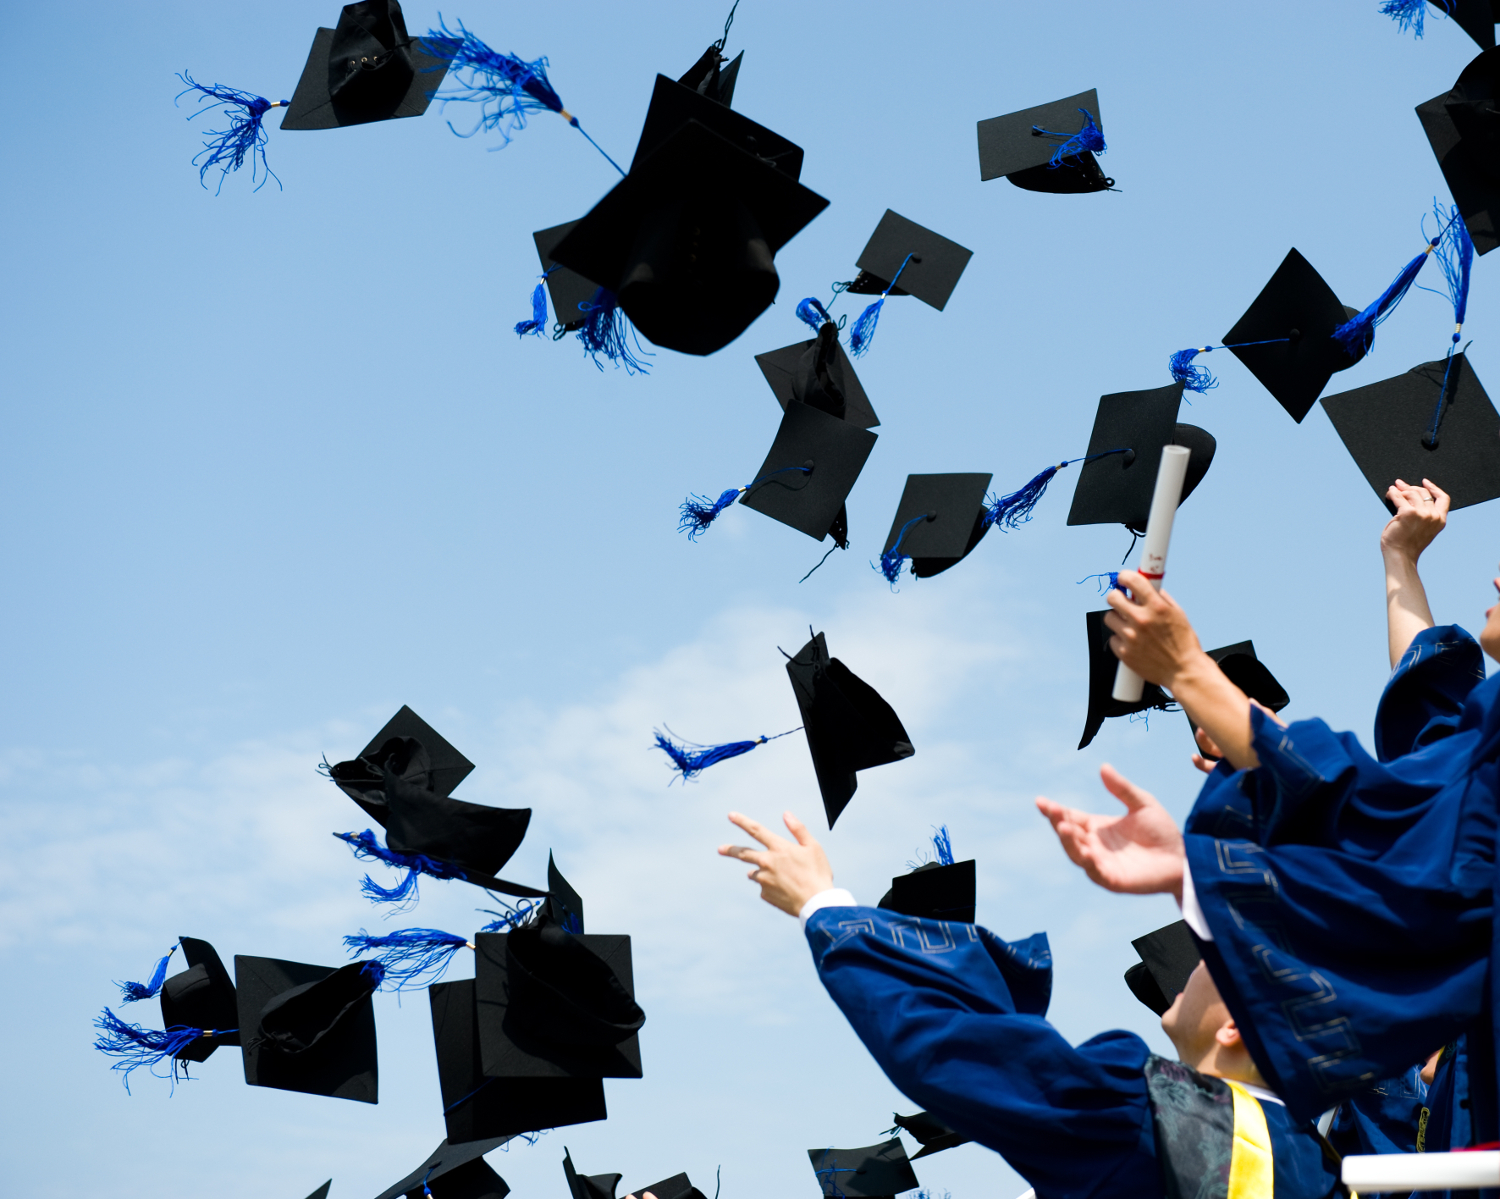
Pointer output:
x,y
955,1018
1383,1118
1423,700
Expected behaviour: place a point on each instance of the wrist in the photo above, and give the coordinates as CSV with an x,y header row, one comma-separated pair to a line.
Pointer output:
x,y
1191,670
1399,558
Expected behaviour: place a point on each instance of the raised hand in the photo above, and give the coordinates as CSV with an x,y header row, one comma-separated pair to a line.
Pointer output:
x,y
789,872
1139,853
1421,514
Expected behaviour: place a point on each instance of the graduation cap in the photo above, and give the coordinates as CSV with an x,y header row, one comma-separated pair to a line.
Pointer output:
x,y
900,251
818,373
874,1172
1168,956
571,293
928,1131
1049,148
1247,672
454,1172
686,241
1477,18
1463,128
940,890
588,1186
1118,476
1434,422
939,520
1102,667
554,1004
202,996
849,727
676,1187
308,1028
476,1106
564,903
366,69
403,778
709,77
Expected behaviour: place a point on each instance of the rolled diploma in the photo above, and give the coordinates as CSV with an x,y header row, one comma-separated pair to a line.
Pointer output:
x,y
1164,501
1422,1171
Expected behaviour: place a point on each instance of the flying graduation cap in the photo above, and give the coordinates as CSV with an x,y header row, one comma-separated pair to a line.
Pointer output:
x,y
403,778
939,520
1434,422
454,1172
818,373
308,1028
1049,148
572,294
902,259
928,1131
880,1171
476,1106
685,243
1477,18
1168,956
940,890
588,1186
1461,126
1102,668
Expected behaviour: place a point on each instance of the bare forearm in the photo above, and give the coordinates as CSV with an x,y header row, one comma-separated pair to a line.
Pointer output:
x,y
1407,613
1218,707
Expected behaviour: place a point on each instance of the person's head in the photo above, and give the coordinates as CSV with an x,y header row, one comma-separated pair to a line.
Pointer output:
x,y
1204,1033
1489,638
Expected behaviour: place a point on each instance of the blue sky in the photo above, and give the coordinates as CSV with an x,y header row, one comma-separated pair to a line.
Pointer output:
x,y
274,464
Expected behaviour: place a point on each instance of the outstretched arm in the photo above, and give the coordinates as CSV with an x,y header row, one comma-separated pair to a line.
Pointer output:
x,y
1139,853
1421,514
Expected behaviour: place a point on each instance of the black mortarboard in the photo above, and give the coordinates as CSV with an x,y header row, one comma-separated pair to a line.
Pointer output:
x,y
1116,487
202,996
875,1172
308,1028
676,1187
811,468
934,892
1168,956
568,289
1463,128
565,903
953,507
931,1133
322,1191
1386,428
367,69
1247,672
454,1172
402,779
687,239
553,1004
819,373
1102,667
588,1186
475,1106
1015,146
1296,312
710,77
848,726
932,263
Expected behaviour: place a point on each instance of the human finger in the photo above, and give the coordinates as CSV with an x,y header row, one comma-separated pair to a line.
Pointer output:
x,y
1444,500
797,829
1124,790
757,830
1206,765
745,854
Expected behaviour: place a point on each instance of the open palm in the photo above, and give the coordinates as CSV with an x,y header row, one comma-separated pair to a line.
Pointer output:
x,y
1139,853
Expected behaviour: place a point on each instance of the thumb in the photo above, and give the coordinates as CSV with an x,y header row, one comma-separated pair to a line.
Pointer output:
x,y
1133,797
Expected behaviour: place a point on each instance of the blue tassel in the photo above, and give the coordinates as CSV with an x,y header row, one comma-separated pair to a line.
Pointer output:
x,y
133,992
1358,333
828,1178
1410,14
691,760
863,331
892,559
1108,581
604,332
538,320
136,1046
1192,377
944,846
1013,510
506,87
1090,137
515,917
1455,256
698,512
406,955
367,848
812,313
246,136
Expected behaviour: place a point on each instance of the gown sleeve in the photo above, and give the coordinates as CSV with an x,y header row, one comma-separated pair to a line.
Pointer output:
x,y
1385,1117
1424,700
955,1018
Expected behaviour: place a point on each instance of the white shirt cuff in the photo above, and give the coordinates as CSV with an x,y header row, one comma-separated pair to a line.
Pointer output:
x,y
834,897
1192,911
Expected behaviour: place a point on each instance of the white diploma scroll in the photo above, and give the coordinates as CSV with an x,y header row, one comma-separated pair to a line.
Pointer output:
x,y
1371,1172
1153,564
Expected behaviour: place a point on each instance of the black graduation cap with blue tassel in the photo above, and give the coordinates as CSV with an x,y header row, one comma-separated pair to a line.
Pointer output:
x,y
938,889
1049,148
902,258
1463,128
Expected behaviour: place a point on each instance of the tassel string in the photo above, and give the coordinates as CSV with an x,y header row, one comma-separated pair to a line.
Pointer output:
x,y
1358,333
724,41
227,149
1200,378
891,560
133,992
538,320
513,917
1108,581
507,88
943,845
408,957
821,560
138,1047
698,511
367,847
689,759
1410,14
607,331
1013,510
830,1183
863,332
1455,258
1430,438
1089,138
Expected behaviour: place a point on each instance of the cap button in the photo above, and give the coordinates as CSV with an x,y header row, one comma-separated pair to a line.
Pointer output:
x,y
931,516
1294,335
1129,457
